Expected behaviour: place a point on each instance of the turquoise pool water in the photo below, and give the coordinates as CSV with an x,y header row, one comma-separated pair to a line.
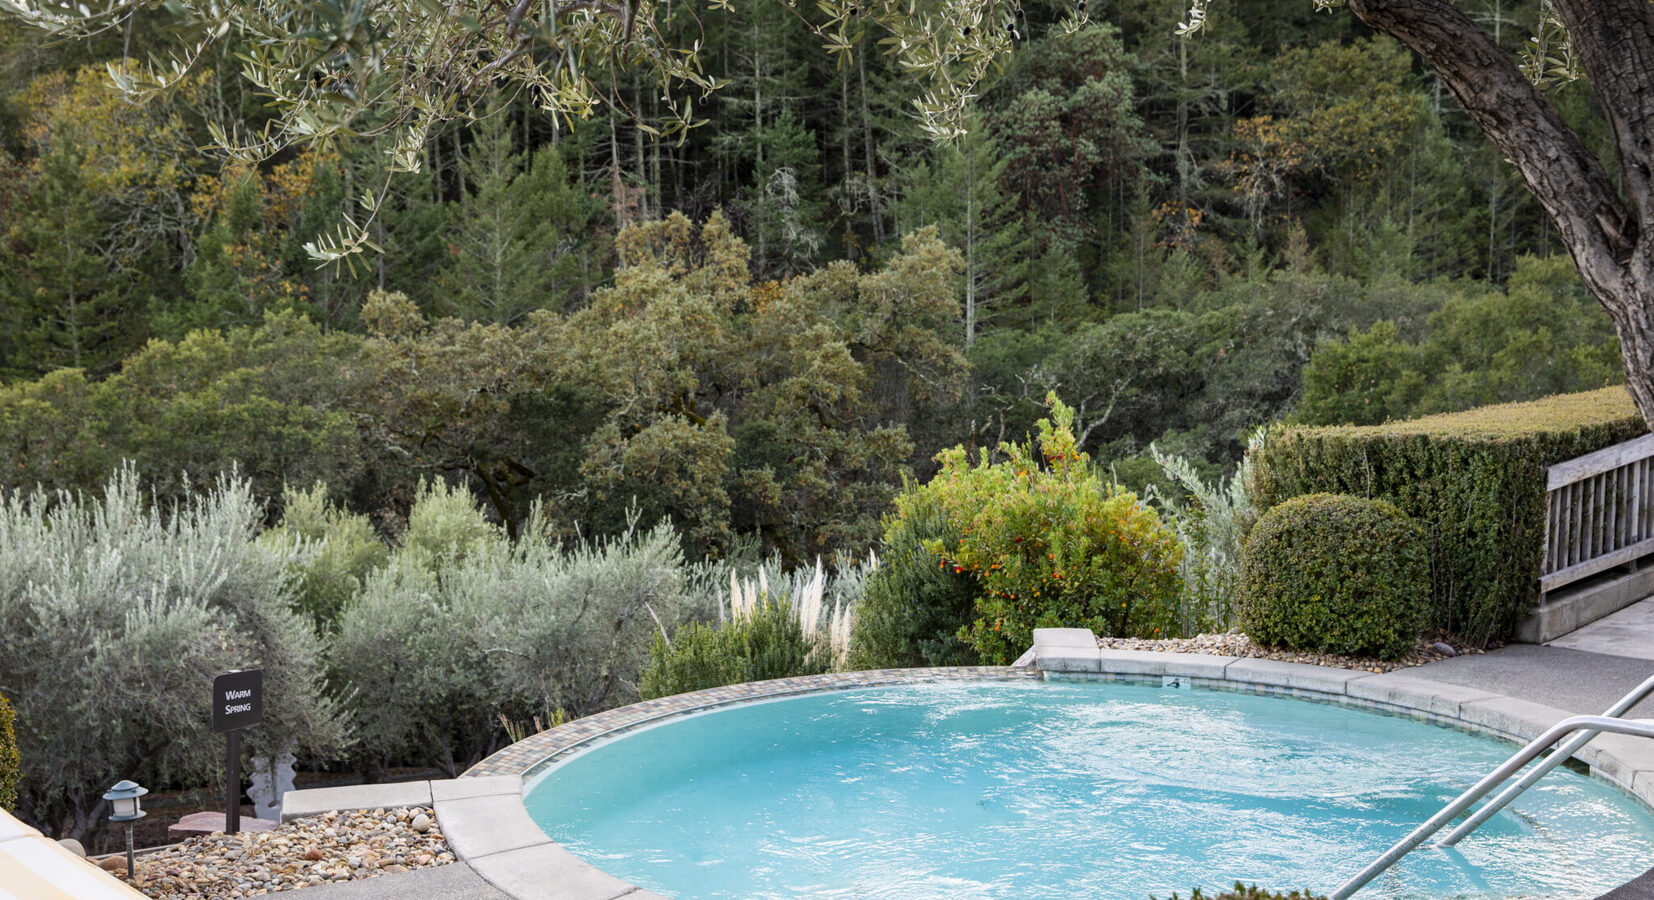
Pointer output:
x,y
1065,790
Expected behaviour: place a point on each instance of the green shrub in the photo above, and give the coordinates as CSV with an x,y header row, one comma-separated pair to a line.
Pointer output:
x,y
767,643
342,551
1474,481
11,764
913,607
1210,523
154,600
446,525
1336,574
1052,544
428,661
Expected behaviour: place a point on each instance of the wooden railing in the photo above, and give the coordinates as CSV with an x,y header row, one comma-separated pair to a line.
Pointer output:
x,y
1600,513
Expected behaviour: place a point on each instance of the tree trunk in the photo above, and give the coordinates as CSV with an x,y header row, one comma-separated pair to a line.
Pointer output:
x,y
873,198
1609,235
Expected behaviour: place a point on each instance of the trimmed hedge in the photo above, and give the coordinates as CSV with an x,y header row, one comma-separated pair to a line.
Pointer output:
x,y
1474,481
11,764
1335,574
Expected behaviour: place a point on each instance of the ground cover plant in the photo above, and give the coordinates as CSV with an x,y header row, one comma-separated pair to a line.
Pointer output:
x,y
11,769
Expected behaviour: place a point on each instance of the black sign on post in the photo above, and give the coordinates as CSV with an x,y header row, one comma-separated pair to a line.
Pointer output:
x,y
237,703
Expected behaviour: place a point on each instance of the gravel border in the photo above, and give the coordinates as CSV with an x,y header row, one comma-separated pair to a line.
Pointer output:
x,y
1239,645
324,849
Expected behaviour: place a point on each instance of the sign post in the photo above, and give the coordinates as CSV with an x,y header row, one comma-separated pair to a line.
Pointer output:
x,y
237,703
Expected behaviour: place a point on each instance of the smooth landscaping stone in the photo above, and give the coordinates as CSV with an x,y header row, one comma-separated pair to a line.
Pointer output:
x,y
548,872
1293,675
1408,690
463,788
357,796
1064,637
1146,662
479,826
209,822
1068,659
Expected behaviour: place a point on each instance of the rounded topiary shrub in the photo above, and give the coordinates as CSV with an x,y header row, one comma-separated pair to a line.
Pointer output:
x,y
1335,574
11,765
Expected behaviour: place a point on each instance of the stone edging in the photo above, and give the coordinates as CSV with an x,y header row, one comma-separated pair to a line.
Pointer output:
x,y
523,757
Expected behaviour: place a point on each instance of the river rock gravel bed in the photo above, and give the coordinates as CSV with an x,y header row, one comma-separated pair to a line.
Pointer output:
x,y
1234,644
331,847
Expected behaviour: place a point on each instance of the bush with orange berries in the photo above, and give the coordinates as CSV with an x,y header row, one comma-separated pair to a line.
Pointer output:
x,y
1052,544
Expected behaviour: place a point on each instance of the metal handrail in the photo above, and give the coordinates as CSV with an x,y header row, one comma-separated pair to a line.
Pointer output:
x,y
1557,758
1635,727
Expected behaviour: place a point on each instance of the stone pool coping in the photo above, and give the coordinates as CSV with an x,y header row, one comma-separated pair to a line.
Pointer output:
x,y
483,817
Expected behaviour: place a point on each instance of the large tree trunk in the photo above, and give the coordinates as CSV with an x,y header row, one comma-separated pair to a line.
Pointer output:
x,y
1609,233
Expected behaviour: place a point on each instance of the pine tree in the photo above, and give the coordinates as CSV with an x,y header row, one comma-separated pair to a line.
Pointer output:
x,y
787,210
416,243
964,199
515,232
236,275
59,288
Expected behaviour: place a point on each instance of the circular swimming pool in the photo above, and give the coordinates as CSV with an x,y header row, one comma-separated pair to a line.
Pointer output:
x,y
1063,790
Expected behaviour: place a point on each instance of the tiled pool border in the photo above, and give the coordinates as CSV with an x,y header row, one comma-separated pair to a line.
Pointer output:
x,y
483,817
527,756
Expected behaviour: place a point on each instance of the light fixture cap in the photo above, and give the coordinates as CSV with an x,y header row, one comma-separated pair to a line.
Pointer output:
x,y
123,798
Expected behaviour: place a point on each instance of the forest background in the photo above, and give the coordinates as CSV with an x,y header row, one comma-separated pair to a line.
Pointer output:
x,y
762,331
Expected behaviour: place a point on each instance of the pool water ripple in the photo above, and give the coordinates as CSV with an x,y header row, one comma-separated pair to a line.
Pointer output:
x,y
1030,790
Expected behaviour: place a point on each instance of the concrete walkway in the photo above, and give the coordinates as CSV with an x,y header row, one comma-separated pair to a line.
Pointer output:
x,y
1583,672
1628,633
450,882
1573,680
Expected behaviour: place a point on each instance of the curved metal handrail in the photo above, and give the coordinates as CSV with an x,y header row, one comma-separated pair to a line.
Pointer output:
x,y
1635,727
1557,758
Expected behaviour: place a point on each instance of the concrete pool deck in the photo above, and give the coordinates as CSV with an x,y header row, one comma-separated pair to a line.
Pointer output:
x,y
1515,692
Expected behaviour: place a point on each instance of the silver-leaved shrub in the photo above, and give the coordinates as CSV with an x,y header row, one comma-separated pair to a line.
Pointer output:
x,y
464,626
114,618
